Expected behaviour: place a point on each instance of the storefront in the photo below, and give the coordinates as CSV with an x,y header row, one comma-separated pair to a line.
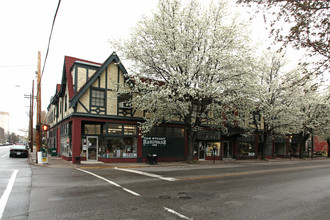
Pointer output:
x,y
207,145
106,141
65,140
246,147
227,149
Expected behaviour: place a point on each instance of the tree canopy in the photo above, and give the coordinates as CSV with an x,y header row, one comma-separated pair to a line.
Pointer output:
x,y
198,60
306,25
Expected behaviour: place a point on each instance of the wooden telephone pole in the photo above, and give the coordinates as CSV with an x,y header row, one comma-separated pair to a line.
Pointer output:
x,y
31,97
31,118
38,138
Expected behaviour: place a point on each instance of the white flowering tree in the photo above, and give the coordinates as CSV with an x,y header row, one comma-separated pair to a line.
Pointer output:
x,y
188,61
275,101
324,129
315,112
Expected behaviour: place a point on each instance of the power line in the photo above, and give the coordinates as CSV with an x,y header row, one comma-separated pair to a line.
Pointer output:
x,y
50,37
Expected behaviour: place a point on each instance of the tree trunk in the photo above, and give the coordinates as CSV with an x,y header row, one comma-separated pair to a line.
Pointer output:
x,y
191,140
303,139
263,145
190,148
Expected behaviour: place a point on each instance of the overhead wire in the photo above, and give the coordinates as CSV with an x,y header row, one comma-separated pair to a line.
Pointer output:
x,y
50,37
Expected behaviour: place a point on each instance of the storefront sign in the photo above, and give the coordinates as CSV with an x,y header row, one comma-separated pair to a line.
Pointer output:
x,y
154,142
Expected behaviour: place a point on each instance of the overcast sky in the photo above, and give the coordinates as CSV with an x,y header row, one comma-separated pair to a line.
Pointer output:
x,y
82,29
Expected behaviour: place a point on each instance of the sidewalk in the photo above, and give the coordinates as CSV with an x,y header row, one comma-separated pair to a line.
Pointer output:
x,y
58,162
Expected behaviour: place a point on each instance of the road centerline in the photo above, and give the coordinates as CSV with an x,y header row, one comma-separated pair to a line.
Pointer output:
x,y
5,195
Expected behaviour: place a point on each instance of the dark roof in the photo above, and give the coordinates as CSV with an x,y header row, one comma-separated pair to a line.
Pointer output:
x,y
112,58
67,76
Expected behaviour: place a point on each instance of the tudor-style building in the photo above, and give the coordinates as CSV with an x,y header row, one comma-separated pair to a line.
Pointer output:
x,y
90,122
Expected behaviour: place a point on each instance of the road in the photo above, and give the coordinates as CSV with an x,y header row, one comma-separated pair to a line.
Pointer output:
x,y
15,186
277,190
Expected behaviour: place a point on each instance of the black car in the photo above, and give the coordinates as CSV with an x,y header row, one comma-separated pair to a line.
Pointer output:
x,y
18,151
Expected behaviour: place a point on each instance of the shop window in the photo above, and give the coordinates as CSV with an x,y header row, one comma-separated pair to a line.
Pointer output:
x,y
211,146
245,149
97,98
129,130
120,148
92,129
115,129
280,148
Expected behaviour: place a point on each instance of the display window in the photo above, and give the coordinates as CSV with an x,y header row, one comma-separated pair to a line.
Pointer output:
x,y
245,149
125,147
213,149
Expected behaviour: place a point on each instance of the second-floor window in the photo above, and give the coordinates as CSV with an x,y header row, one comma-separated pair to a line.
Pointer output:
x,y
97,98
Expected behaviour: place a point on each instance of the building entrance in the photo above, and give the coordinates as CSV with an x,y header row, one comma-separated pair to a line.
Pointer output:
x,y
227,150
92,148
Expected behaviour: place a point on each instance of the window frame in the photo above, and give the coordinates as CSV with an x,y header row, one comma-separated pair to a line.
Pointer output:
x,y
97,99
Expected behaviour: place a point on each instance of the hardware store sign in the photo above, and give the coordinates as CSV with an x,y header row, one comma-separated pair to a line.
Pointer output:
x,y
154,142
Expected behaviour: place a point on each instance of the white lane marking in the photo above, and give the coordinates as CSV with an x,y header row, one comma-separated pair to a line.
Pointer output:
x,y
147,174
6,155
176,213
5,195
112,183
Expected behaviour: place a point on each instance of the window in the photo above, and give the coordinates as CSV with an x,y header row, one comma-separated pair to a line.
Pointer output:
x,y
115,129
129,130
120,148
92,129
98,98
245,149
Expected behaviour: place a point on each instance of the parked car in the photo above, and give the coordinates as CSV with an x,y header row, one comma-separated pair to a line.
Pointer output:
x,y
18,151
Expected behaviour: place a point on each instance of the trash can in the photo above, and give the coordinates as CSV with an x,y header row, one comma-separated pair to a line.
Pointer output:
x,y
53,152
152,159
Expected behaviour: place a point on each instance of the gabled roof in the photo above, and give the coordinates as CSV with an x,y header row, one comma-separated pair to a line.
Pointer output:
x,y
91,80
67,77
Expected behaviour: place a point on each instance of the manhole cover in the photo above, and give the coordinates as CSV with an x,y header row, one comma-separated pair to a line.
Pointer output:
x,y
165,197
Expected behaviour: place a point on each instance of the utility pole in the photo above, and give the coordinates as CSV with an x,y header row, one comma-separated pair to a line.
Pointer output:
x,y
38,138
31,97
31,118
31,138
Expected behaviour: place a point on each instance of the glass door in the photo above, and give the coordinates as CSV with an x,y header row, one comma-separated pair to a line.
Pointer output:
x,y
227,150
92,146
202,148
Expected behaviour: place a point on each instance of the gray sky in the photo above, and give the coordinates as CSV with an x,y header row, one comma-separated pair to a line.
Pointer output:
x,y
82,29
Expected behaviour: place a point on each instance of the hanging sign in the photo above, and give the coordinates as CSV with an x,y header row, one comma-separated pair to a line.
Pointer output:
x,y
154,142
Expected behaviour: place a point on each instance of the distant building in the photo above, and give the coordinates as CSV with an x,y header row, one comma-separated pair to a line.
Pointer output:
x,y
4,121
2,135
